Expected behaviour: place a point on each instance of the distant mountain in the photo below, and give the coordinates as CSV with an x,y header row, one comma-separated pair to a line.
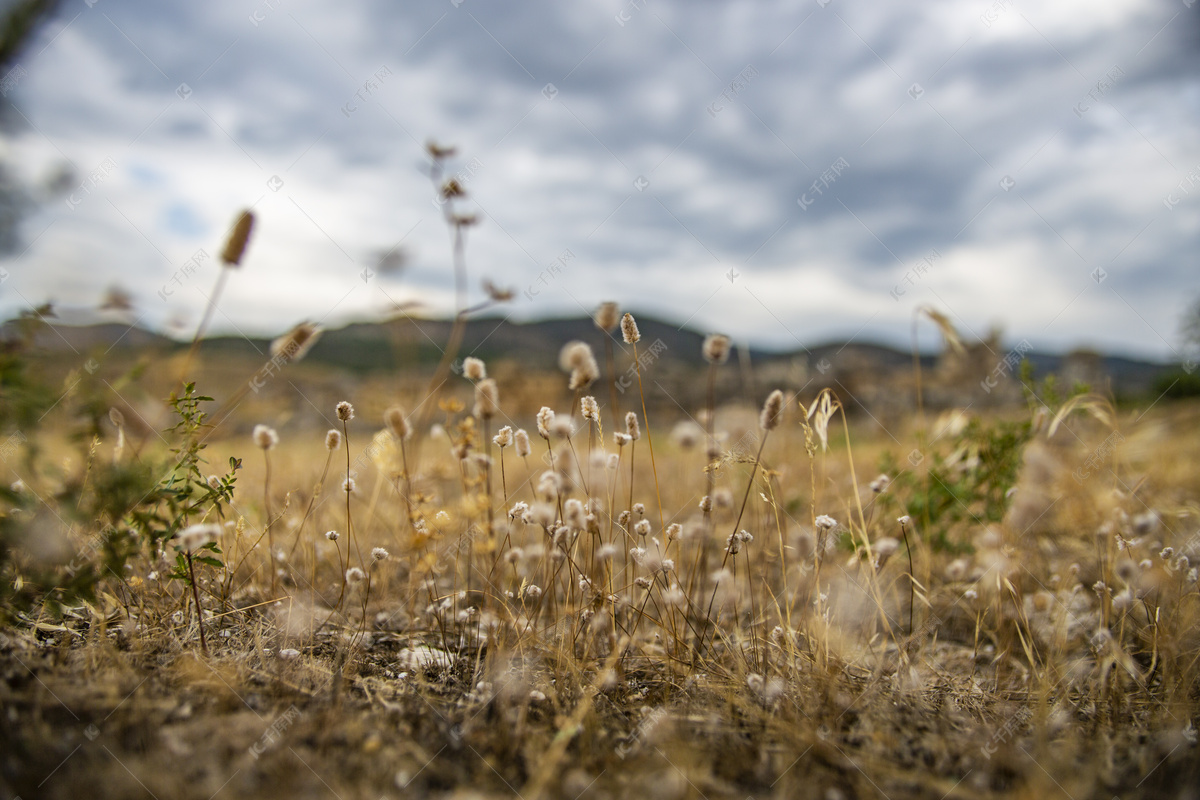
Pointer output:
x,y
408,342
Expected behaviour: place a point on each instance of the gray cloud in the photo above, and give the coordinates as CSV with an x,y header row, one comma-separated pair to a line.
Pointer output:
x,y
664,144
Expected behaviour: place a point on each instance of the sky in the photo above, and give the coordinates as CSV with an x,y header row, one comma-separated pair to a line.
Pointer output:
x,y
788,173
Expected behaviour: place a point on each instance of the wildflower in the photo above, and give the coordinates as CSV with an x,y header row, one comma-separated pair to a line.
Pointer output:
x,y
606,552
585,585
355,576
777,634
638,554
673,531
643,583
194,537
733,544
632,428
607,316
331,535
668,565
706,503
621,439
590,409
503,437
345,411
755,682
715,348
562,427
518,509
614,460
1100,588
265,437
396,422
826,522
544,417
487,399
378,554
629,329
642,527
880,483
474,369
971,594
521,442
533,591
623,519
333,440
639,509
1166,553
904,521
768,419
884,549
348,486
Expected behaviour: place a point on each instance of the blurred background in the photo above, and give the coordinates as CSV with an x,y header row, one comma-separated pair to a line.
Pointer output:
x,y
789,173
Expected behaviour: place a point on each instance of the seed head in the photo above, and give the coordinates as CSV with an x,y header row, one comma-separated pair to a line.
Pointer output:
x,y
826,522
904,521
590,408
533,591
629,329
573,514
503,437
355,576
577,359
521,442
716,348
621,439
642,527
331,535
607,316
193,537
631,426
544,417
348,486
474,369
235,245
265,437
880,483
396,422
378,554
562,427
487,399
295,344
345,411
769,418
333,439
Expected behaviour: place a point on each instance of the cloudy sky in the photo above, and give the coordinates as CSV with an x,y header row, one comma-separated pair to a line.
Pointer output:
x,y
787,172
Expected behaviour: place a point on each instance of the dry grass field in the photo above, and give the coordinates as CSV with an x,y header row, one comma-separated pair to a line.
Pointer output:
x,y
457,585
